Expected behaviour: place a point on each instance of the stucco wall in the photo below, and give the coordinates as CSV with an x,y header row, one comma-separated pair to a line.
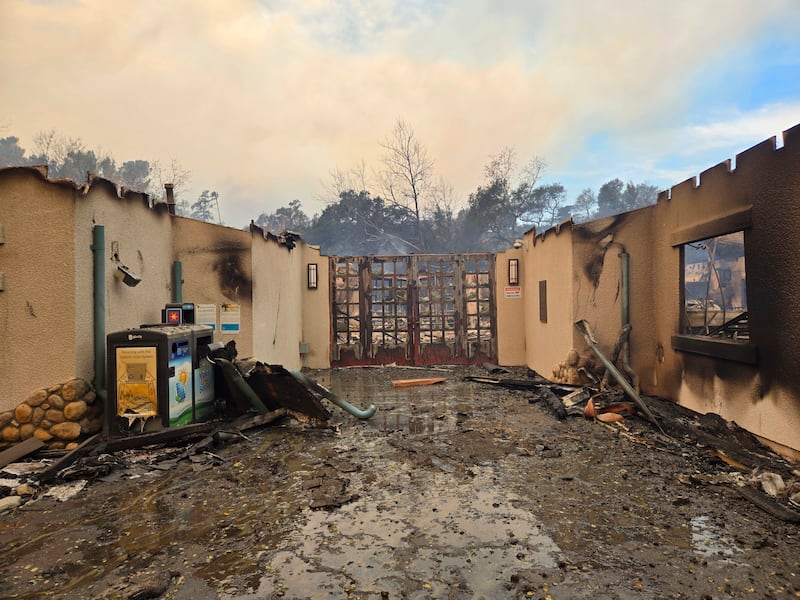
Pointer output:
x,y
764,398
37,316
217,267
599,286
135,236
581,264
317,311
548,257
510,311
277,301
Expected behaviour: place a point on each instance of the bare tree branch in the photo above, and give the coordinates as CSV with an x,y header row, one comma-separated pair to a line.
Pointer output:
x,y
407,169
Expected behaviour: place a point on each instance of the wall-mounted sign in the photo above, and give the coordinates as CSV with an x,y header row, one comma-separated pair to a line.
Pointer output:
x,y
206,314
513,291
229,318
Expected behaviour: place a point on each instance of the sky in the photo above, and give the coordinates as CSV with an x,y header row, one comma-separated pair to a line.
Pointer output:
x,y
262,100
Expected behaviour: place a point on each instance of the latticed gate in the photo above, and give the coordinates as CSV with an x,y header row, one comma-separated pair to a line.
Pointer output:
x,y
413,310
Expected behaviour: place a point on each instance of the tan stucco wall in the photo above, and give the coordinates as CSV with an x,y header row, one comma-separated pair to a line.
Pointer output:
x,y
46,308
277,302
765,398
510,311
141,238
548,257
217,267
598,286
317,311
37,306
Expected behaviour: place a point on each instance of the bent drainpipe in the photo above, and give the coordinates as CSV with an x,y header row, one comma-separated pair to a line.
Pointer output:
x,y
343,404
625,267
588,335
177,286
99,282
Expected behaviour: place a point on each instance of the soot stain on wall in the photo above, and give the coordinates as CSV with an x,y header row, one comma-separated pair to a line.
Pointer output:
x,y
232,280
593,267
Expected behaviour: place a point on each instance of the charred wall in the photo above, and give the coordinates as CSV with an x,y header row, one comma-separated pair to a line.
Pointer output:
x,y
599,291
759,196
217,269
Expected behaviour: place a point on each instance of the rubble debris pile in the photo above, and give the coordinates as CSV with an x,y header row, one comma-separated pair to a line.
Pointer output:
x,y
263,387
676,425
252,385
59,416
575,369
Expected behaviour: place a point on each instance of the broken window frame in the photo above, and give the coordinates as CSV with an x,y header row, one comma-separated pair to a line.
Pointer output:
x,y
714,343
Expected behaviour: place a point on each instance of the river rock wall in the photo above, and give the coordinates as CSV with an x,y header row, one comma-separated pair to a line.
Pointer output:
x,y
59,416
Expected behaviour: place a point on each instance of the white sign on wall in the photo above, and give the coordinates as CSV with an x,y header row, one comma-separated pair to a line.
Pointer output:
x,y
229,318
206,314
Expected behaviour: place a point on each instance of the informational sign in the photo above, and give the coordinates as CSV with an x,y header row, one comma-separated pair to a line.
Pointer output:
x,y
136,380
513,291
229,318
206,314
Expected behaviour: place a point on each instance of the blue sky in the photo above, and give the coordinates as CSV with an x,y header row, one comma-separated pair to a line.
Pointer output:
x,y
263,100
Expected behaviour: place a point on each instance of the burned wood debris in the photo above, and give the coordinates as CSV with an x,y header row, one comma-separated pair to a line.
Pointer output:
x,y
262,387
250,394
757,473
253,385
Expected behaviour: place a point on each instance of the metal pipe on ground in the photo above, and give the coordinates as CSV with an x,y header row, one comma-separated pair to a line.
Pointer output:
x,y
325,392
588,335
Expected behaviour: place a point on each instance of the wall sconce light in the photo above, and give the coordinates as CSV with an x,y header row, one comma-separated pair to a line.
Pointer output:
x,y
126,276
313,281
513,271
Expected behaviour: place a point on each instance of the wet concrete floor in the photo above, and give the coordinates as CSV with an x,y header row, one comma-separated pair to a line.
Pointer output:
x,y
456,490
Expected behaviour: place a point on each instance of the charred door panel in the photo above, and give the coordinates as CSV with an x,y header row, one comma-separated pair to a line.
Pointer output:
x,y
437,278
420,309
481,341
387,292
346,309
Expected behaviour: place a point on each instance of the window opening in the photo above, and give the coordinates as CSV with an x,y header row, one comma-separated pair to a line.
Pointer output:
x,y
715,284
543,301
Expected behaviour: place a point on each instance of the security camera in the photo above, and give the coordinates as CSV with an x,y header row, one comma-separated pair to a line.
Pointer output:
x,y
127,277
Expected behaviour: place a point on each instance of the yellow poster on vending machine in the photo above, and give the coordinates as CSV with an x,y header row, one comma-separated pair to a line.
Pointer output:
x,y
137,380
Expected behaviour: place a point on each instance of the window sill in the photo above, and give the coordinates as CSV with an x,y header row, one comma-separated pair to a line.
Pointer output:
x,y
716,348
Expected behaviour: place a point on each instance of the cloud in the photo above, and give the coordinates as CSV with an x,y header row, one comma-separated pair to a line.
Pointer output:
x,y
262,99
740,129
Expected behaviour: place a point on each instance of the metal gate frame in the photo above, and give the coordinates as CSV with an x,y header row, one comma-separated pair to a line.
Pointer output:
x,y
420,309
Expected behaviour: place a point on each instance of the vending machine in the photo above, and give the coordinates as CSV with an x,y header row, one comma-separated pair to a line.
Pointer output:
x,y
158,377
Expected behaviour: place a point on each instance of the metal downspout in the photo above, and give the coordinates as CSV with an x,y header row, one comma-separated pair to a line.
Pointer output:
x,y
625,267
177,285
99,318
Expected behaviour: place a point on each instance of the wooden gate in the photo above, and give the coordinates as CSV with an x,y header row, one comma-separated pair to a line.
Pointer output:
x,y
413,310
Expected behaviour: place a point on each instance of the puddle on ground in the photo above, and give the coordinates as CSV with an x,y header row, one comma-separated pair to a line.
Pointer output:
x,y
422,409
415,538
709,540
